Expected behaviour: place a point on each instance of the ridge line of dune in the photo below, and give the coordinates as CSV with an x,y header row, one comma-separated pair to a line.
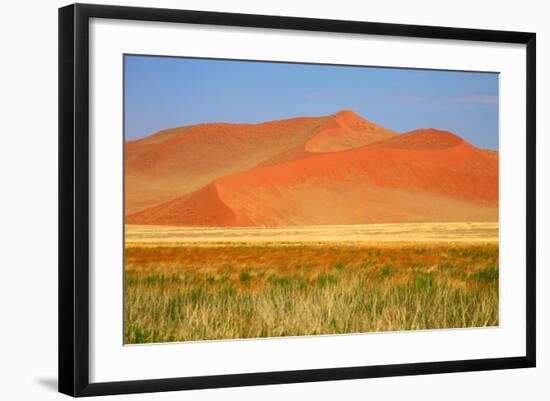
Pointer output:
x,y
167,131
344,130
301,151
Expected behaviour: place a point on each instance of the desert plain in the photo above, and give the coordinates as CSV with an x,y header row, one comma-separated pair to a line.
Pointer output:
x,y
216,283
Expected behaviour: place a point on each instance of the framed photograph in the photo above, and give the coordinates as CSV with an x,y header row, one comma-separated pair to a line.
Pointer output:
x,y
250,199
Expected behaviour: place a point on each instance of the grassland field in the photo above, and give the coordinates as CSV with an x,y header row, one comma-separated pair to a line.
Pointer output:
x,y
186,284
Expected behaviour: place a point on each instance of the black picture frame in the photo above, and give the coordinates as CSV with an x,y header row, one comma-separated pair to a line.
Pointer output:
x,y
74,199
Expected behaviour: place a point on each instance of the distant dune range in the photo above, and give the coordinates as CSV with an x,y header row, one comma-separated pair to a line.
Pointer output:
x,y
338,169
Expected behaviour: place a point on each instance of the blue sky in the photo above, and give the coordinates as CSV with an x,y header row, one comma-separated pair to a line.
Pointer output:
x,y
165,92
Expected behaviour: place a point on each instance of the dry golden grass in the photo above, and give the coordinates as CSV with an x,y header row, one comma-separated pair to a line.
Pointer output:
x,y
193,291
138,235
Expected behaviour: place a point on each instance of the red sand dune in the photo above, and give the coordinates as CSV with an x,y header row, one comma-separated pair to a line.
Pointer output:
x,y
424,175
178,161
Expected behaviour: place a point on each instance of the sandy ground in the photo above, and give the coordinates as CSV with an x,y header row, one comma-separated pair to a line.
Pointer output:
x,y
376,233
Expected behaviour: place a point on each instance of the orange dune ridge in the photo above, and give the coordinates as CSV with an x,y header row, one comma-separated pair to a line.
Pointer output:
x,y
339,169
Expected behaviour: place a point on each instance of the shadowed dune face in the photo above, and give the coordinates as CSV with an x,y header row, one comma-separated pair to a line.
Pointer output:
x,y
178,161
422,176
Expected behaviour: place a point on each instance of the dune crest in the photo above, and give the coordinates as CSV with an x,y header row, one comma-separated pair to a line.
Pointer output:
x,y
346,130
424,138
